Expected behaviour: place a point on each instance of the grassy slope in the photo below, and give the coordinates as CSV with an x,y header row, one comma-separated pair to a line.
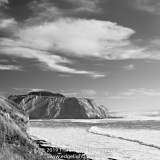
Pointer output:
x,y
15,143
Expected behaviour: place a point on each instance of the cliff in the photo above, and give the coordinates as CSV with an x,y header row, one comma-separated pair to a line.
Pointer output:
x,y
59,107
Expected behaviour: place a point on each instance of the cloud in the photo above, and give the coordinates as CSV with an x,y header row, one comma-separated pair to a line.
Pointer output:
x,y
8,27
3,7
80,37
95,76
43,11
141,92
50,7
50,61
50,42
152,49
10,67
119,97
86,6
3,2
70,94
72,37
129,67
136,93
154,44
48,10
28,89
4,61
88,92
86,38
65,75
81,93
7,22
151,6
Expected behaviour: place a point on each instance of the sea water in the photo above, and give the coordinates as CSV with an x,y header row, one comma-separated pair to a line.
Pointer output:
x,y
135,137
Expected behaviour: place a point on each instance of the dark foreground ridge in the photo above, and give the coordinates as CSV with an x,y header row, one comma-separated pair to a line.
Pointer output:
x,y
47,105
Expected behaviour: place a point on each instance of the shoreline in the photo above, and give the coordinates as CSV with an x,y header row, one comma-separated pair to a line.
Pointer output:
x,y
57,152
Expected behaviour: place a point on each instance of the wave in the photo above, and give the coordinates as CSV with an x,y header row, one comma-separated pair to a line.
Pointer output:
x,y
108,133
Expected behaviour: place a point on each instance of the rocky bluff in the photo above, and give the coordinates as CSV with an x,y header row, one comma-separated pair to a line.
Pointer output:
x,y
47,105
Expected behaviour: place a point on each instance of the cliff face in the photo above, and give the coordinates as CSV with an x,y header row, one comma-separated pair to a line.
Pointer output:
x,y
60,107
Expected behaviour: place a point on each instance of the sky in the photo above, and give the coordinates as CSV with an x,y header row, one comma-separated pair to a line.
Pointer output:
x,y
107,50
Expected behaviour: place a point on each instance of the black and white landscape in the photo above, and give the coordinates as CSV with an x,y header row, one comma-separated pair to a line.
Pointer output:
x,y
80,79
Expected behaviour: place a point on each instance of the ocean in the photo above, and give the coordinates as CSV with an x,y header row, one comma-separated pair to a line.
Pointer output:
x,y
134,137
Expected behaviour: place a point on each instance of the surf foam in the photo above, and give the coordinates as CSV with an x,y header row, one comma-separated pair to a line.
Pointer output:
x,y
142,137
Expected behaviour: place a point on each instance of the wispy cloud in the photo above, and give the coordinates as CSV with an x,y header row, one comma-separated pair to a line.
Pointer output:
x,y
28,89
8,27
89,92
86,6
129,67
50,41
95,76
51,62
119,97
77,39
73,37
10,67
3,1
80,93
70,93
46,11
65,75
4,60
141,92
7,22
85,38
151,6
136,93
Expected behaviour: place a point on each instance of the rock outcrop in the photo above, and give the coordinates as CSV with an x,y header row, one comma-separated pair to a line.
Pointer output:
x,y
52,106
